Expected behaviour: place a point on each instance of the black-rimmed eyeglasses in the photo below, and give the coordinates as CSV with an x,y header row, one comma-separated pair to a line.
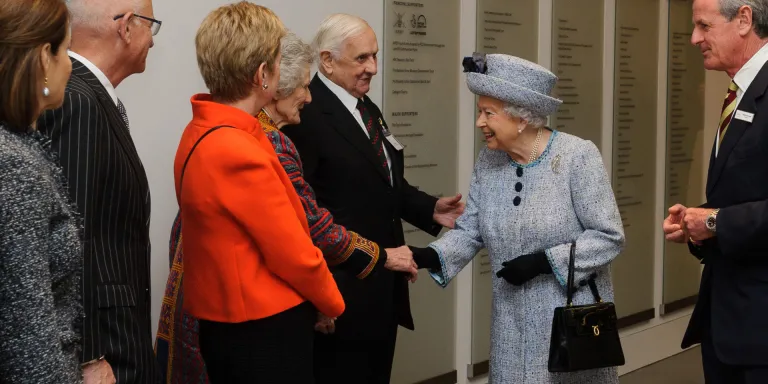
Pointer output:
x,y
154,27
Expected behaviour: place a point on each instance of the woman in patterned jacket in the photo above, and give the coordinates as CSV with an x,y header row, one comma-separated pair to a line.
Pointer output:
x,y
177,341
533,192
40,240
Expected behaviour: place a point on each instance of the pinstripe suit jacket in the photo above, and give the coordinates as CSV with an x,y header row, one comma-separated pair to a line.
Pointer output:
x,y
108,183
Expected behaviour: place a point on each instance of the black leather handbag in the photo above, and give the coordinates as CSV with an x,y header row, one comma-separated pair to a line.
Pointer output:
x,y
584,336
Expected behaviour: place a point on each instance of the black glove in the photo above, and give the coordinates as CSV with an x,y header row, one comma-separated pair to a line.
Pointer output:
x,y
524,268
426,258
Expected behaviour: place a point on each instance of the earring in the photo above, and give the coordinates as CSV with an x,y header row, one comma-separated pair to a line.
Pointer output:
x,y
46,91
265,86
519,131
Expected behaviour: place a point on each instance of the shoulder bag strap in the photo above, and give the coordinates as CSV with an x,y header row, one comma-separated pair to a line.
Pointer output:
x,y
184,167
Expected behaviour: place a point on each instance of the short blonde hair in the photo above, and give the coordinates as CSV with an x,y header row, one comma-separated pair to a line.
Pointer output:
x,y
232,42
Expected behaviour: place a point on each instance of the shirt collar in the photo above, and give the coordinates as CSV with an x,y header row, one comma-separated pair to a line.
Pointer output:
x,y
748,72
349,101
98,73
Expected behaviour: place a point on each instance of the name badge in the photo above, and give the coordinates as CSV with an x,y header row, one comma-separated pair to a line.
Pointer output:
x,y
744,116
394,142
388,135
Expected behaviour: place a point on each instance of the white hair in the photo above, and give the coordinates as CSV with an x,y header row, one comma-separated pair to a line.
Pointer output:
x,y
334,31
532,119
98,15
297,56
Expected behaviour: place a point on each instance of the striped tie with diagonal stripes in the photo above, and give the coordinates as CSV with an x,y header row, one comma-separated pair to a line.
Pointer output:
x,y
729,105
376,136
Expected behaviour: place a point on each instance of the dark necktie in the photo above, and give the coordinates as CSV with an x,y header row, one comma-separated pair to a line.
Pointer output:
x,y
376,136
123,113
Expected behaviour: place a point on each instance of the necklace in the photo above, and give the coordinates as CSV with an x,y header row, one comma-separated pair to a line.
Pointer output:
x,y
535,150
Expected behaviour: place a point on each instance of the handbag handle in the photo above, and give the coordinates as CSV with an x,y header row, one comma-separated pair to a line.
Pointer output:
x,y
571,286
184,167
571,261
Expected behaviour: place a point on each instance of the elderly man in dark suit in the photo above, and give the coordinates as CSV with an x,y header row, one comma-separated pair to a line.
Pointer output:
x,y
728,233
356,168
110,41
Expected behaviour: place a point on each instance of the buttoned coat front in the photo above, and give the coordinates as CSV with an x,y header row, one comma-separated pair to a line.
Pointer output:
x,y
513,210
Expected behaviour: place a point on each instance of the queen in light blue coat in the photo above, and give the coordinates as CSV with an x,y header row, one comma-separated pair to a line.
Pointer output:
x,y
533,191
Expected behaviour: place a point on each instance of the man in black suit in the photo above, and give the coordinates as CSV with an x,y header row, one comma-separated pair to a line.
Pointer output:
x,y
107,182
356,169
729,233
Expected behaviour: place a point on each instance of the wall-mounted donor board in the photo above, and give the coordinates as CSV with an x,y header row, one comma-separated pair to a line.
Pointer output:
x,y
421,62
685,160
635,129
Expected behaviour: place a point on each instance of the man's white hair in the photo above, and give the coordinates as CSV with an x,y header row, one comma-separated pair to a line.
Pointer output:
x,y
334,31
98,15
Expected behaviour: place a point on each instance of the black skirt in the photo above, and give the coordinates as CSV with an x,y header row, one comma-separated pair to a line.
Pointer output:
x,y
276,349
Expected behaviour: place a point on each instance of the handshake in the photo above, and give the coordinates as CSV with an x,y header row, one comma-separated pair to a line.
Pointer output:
x,y
399,259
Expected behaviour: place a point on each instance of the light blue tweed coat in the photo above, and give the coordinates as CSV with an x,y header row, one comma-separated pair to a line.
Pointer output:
x,y
566,195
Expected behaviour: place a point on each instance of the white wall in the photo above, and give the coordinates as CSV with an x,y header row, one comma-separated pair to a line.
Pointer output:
x,y
158,105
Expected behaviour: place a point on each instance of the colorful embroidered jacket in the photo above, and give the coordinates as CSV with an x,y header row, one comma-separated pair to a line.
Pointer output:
x,y
339,245
177,346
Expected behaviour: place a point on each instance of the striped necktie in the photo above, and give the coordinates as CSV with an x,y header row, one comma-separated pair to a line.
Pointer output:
x,y
123,113
729,105
376,136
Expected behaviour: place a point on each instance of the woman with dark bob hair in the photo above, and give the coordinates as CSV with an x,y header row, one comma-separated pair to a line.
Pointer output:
x,y
40,244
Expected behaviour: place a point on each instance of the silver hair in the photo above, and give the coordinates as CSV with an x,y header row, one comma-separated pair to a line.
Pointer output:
x,y
730,8
532,119
334,31
97,15
297,56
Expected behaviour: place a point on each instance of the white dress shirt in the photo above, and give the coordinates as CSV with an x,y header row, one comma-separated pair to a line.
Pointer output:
x,y
99,75
744,78
350,102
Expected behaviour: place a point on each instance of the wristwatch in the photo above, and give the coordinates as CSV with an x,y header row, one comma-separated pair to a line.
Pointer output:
x,y
711,221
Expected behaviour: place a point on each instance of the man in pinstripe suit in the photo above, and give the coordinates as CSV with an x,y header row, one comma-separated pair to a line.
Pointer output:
x,y
107,181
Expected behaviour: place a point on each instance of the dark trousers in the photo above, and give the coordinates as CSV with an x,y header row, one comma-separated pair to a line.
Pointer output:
x,y
717,372
277,349
342,361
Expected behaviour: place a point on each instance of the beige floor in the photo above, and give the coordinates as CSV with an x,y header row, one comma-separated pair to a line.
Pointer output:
x,y
683,368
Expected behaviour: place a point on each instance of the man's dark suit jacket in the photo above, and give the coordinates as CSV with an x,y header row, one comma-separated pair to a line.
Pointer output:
x,y
341,166
109,186
733,298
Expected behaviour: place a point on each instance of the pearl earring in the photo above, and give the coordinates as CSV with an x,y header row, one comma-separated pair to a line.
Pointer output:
x,y
46,91
265,86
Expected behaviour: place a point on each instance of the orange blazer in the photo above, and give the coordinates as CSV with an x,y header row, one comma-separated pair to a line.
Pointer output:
x,y
247,250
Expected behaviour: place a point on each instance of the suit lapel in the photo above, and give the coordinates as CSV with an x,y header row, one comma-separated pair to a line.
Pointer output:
x,y
737,127
116,123
345,124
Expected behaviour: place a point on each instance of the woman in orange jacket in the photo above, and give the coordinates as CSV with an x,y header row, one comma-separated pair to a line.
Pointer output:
x,y
252,275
